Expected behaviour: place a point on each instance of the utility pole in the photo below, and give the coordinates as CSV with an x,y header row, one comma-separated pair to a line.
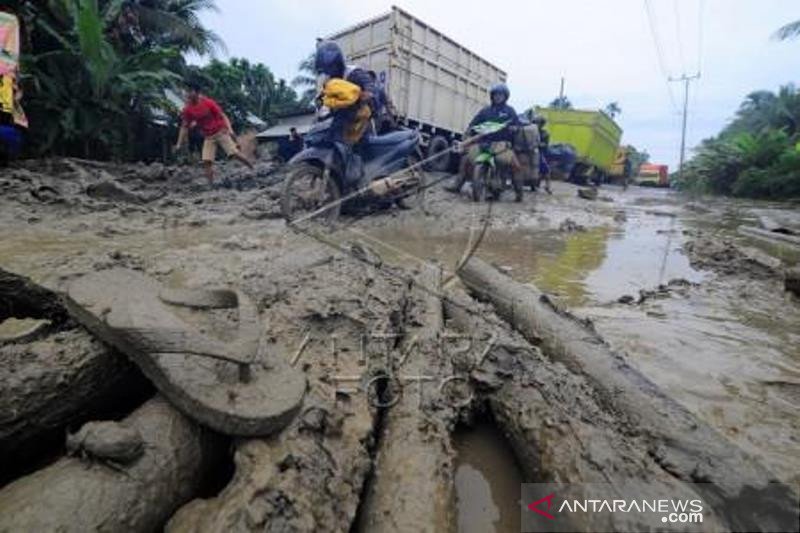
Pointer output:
x,y
685,79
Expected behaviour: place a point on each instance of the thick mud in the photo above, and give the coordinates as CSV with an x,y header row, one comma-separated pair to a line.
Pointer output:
x,y
698,308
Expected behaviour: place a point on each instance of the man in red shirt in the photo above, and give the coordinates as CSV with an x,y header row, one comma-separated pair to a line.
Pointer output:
x,y
204,113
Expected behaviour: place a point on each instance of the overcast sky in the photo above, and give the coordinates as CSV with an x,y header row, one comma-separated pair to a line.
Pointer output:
x,y
604,48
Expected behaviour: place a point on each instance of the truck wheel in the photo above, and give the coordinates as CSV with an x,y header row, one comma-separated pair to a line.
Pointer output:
x,y
437,145
578,174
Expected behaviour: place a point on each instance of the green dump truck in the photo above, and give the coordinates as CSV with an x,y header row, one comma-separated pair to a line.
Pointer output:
x,y
594,136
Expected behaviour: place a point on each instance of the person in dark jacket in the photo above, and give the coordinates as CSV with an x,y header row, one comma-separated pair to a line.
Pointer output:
x,y
385,113
329,61
500,142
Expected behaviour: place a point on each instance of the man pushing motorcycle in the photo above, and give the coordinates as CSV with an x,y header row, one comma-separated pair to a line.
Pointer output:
x,y
499,142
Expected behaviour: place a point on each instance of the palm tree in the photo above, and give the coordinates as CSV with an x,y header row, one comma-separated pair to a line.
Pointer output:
x,y
306,80
173,23
788,31
88,97
613,109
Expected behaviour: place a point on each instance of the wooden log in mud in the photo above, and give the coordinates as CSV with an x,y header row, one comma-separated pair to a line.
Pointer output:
x,y
682,444
559,431
412,484
50,383
85,494
54,382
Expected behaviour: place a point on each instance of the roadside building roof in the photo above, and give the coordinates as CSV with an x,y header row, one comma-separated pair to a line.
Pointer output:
x,y
302,122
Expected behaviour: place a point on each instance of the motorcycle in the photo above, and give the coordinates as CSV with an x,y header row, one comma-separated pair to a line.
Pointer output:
x,y
328,176
487,175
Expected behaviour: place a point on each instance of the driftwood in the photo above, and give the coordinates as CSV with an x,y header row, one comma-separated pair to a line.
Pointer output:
x,y
412,487
90,494
681,444
774,237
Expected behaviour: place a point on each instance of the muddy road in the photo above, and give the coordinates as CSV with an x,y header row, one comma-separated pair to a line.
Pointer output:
x,y
695,306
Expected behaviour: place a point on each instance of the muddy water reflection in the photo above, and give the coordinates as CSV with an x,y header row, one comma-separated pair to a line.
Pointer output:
x,y
596,265
487,482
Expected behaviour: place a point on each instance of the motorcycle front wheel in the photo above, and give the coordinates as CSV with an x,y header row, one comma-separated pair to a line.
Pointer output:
x,y
481,176
309,193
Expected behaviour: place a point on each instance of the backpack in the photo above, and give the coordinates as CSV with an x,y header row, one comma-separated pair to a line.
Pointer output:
x,y
339,94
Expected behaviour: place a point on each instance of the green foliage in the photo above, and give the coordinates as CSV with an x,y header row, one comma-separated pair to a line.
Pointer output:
x,y
562,102
636,158
613,109
756,155
98,75
306,80
85,97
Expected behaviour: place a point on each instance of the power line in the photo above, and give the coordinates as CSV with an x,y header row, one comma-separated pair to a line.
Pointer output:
x,y
678,33
700,6
659,53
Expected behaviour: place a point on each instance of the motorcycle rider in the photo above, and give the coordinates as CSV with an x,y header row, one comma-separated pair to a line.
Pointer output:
x,y
500,142
349,123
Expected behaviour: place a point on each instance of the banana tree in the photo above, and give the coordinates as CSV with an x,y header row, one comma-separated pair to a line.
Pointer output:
x,y
87,97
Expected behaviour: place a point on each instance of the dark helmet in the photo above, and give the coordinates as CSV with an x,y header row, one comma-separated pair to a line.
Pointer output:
x,y
539,120
501,88
329,59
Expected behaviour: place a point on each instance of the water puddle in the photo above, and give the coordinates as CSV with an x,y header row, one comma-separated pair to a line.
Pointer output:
x,y
487,481
597,265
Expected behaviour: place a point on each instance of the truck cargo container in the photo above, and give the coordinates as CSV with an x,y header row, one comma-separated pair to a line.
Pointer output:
x,y
593,134
436,84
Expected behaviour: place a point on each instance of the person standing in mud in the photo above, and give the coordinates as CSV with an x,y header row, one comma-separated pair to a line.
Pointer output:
x,y
544,145
206,115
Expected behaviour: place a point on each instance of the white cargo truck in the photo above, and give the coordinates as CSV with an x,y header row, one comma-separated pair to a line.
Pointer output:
x,y
436,84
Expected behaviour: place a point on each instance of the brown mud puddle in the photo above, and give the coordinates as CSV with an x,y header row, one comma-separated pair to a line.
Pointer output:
x,y
598,264
487,481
